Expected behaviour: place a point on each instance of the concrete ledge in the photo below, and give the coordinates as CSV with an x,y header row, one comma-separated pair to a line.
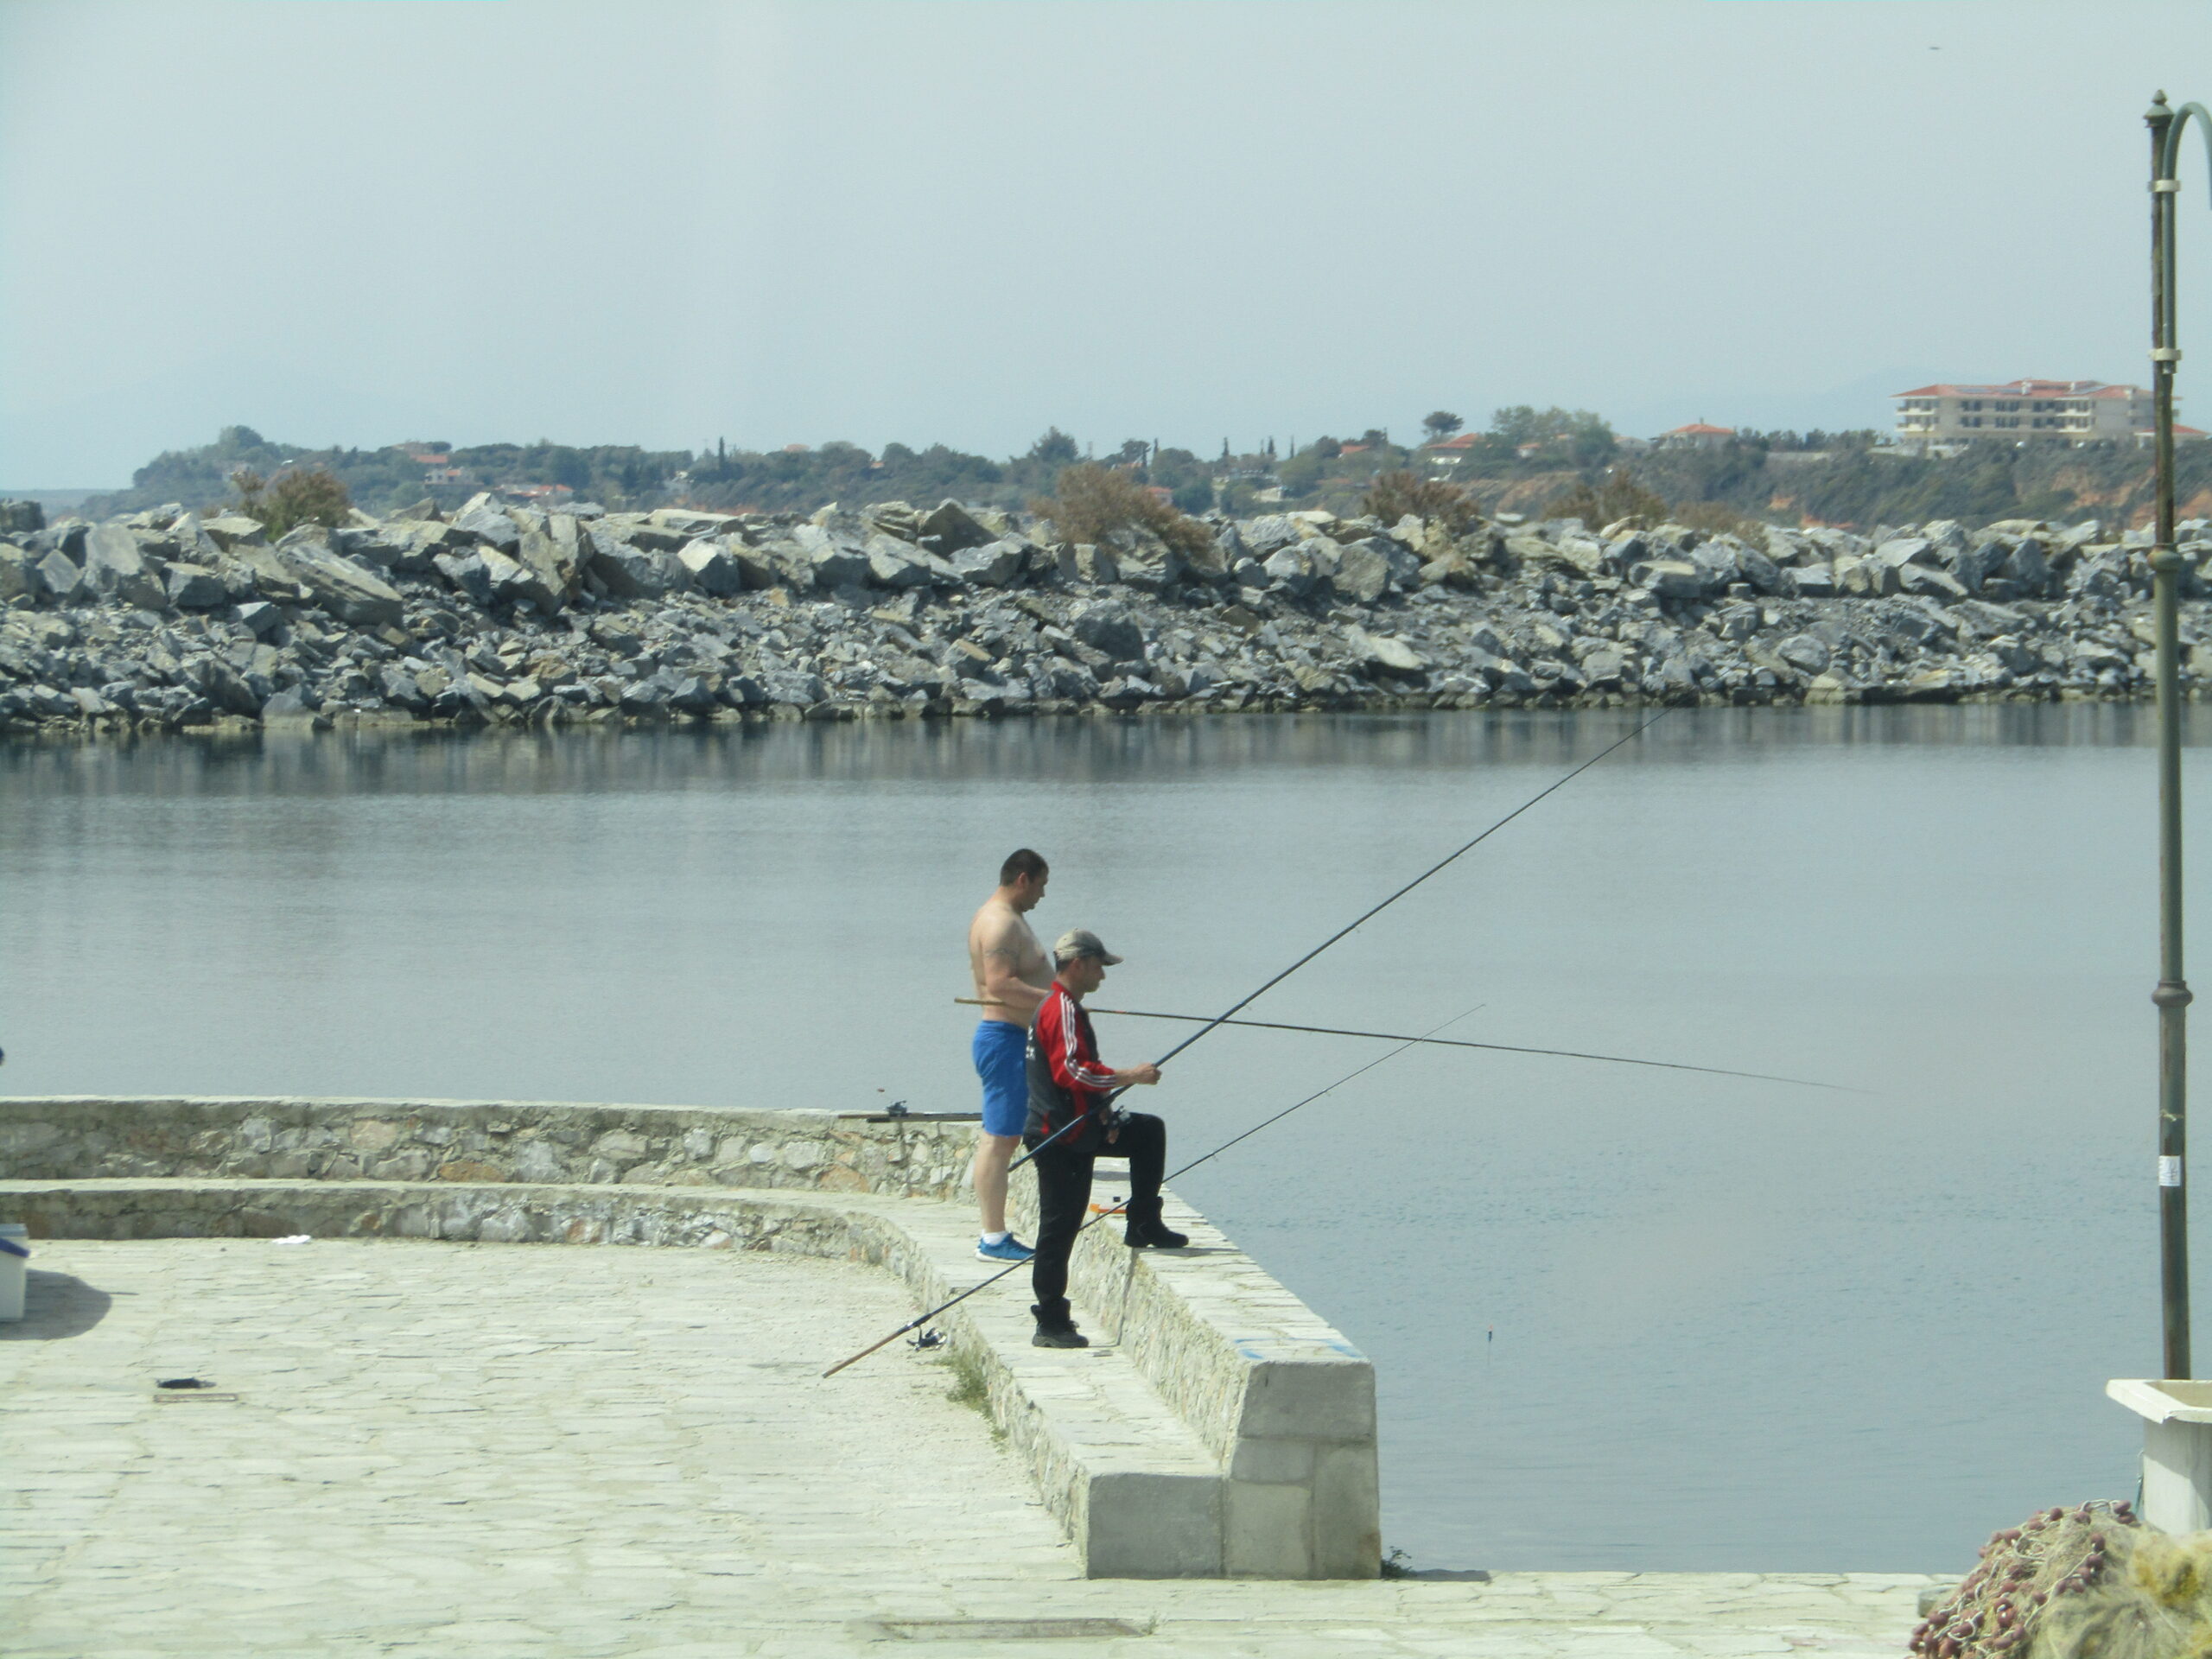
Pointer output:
x,y
1284,1401
75,1137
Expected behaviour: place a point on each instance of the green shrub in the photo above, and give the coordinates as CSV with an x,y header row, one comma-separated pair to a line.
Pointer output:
x,y
309,496
1616,497
1091,502
1393,495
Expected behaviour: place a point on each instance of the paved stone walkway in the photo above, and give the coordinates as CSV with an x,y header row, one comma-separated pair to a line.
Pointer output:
x,y
529,1452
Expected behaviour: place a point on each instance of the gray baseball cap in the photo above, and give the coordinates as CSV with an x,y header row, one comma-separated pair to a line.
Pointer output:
x,y
1081,942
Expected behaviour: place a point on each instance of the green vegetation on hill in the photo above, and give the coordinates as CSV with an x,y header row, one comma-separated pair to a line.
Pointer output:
x,y
1525,459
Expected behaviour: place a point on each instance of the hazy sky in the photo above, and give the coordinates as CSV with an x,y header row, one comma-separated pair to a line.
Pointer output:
x,y
960,222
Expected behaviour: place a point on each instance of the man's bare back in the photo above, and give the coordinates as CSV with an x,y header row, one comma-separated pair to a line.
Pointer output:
x,y
1012,976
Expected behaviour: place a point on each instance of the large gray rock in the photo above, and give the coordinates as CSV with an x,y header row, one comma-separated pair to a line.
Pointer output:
x,y
1931,581
691,523
629,571
118,568
1385,652
792,686
556,565
838,559
1371,566
60,578
1112,630
349,591
490,526
894,563
993,564
1907,549
2027,565
21,518
1676,579
1263,535
1804,652
231,530
1292,567
712,569
948,530
1087,563
19,577
1146,562
196,588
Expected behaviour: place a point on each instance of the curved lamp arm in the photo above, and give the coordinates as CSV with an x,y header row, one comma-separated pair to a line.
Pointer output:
x,y
2170,159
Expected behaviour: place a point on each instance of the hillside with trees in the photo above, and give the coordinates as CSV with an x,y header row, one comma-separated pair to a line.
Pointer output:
x,y
1535,461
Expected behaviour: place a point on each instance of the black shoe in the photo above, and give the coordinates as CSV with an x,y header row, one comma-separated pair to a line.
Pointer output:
x,y
1150,1233
1058,1336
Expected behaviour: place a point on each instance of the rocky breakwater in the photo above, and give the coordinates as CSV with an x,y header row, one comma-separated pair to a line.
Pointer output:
x,y
173,619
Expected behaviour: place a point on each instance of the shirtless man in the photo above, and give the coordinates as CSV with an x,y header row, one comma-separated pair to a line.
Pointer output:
x,y
1011,977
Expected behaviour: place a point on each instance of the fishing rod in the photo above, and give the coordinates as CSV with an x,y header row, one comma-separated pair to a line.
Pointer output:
x,y
921,1319
1502,1048
1253,996
1454,1042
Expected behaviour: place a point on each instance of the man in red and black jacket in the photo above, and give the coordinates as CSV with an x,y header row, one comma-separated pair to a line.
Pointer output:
x,y
1072,1123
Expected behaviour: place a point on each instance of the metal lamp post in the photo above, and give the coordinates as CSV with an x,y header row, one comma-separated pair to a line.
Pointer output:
x,y
2172,995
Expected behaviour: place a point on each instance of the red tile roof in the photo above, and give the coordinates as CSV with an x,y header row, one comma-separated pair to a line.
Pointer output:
x,y
1699,429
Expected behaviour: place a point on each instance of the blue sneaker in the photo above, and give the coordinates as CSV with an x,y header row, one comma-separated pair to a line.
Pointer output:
x,y
1008,1248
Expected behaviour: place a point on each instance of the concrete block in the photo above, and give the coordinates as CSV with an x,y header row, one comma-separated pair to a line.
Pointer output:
x,y
1264,1532
1316,1399
1273,1463
1146,1526
1347,1533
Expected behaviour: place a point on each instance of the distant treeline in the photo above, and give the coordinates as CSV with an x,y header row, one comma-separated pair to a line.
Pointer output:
x,y
1524,461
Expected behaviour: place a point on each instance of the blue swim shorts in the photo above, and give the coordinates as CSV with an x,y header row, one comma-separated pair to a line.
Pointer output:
x,y
998,1051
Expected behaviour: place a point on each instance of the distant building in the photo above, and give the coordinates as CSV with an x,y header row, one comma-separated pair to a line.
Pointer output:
x,y
1450,452
2149,435
549,495
448,475
2021,412
1696,435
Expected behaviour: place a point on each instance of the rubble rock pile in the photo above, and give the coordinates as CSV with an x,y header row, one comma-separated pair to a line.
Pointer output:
x,y
168,619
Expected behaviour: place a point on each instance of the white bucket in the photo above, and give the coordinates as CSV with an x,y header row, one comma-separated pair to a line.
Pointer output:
x,y
15,1264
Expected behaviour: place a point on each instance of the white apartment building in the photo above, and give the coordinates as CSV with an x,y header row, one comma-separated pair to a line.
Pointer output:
x,y
2020,411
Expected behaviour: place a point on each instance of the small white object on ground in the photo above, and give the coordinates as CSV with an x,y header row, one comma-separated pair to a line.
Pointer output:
x,y
296,1238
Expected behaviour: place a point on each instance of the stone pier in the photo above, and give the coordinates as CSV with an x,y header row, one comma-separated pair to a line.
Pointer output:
x,y
423,1435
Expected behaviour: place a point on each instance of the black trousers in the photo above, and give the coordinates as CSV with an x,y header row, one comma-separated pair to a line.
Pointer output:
x,y
1064,1200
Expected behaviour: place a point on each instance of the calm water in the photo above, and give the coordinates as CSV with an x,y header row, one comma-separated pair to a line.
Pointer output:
x,y
1622,1317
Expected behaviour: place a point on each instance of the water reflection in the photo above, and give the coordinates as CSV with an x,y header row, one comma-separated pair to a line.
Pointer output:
x,y
1071,750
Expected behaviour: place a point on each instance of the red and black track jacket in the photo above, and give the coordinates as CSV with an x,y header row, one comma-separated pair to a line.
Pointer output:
x,y
1066,1078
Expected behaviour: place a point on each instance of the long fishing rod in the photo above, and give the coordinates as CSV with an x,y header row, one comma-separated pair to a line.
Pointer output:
x,y
1253,996
1455,1042
921,1319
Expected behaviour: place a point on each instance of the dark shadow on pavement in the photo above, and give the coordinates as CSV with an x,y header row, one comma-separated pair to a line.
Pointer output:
x,y
57,1304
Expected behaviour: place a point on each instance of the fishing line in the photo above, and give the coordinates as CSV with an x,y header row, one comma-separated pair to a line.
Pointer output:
x,y
1246,1000
921,1319
1502,1048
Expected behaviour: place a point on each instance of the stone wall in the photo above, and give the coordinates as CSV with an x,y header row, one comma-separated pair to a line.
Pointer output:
x,y
82,1137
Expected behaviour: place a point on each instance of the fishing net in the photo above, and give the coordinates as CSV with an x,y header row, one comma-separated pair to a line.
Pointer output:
x,y
2089,1583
